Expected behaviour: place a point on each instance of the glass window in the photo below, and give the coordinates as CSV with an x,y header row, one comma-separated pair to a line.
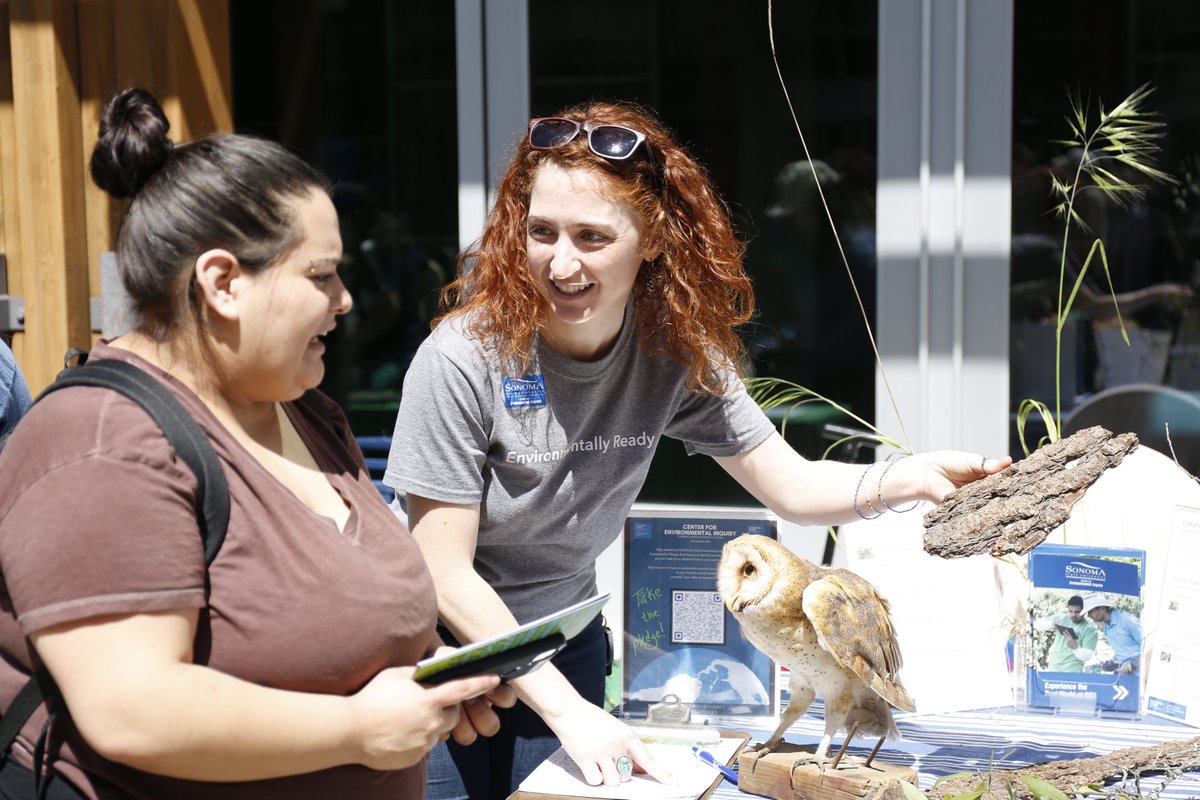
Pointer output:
x,y
359,89
366,93
705,67
1104,52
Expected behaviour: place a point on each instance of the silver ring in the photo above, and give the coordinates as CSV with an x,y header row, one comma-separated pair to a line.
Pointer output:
x,y
624,766
983,464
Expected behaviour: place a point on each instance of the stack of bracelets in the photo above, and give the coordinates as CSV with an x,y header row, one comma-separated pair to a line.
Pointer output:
x,y
883,504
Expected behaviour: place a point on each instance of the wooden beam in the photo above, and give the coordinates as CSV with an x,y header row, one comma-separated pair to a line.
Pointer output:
x,y
98,82
53,266
10,221
140,37
199,68
67,58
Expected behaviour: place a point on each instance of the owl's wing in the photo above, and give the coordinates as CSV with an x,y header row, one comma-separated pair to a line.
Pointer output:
x,y
852,623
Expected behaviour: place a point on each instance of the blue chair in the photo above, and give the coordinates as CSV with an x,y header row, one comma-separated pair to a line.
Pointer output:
x,y
375,453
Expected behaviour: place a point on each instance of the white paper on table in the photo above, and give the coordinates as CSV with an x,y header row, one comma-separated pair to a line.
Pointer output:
x,y
1174,661
947,612
559,775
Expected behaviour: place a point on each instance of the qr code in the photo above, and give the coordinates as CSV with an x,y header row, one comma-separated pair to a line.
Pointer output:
x,y
697,618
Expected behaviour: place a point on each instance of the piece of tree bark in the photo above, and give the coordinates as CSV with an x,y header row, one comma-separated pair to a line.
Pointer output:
x,y
1014,510
1168,757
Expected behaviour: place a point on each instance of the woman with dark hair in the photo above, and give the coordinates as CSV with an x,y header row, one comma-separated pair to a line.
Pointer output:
x,y
284,670
597,313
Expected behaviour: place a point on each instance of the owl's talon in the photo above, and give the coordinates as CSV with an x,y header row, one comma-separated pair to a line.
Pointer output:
x,y
805,760
798,765
762,748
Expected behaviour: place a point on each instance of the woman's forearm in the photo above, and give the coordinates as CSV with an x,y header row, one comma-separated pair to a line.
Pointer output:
x,y
471,608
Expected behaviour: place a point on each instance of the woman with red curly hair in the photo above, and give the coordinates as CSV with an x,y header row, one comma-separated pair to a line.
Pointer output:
x,y
597,313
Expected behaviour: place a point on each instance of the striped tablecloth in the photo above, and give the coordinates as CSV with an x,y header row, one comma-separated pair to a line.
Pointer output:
x,y
941,744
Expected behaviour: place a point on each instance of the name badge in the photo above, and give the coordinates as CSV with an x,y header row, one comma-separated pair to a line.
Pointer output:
x,y
526,391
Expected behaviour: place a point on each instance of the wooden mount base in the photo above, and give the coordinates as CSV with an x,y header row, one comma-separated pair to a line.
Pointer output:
x,y
791,773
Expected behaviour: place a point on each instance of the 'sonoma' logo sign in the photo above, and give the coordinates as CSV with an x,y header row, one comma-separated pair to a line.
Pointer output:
x,y
1079,571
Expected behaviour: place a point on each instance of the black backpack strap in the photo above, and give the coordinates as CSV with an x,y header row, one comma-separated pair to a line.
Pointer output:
x,y
40,685
188,439
22,707
40,780
191,444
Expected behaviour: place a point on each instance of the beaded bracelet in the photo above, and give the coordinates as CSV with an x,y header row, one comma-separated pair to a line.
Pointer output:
x,y
857,489
890,461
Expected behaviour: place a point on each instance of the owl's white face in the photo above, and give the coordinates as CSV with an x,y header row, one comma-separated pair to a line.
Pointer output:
x,y
744,576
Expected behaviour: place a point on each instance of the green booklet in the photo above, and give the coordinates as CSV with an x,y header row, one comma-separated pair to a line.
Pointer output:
x,y
516,653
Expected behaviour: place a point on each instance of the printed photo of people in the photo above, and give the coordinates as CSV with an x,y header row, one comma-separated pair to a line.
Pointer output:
x,y
1116,617
1085,633
1069,639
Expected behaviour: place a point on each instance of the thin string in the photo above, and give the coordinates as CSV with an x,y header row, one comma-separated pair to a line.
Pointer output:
x,y
829,215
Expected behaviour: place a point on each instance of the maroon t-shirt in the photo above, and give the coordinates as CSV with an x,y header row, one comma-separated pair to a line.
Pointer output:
x,y
97,517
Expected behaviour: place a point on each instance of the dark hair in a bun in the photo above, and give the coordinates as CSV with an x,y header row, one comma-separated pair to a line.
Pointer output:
x,y
226,191
133,143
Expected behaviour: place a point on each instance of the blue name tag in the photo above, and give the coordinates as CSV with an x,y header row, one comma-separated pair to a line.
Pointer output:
x,y
527,391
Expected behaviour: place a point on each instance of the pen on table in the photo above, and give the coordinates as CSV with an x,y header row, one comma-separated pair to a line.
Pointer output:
x,y
709,759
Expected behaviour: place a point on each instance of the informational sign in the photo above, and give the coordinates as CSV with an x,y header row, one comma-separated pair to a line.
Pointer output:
x,y
1174,661
679,638
1089,660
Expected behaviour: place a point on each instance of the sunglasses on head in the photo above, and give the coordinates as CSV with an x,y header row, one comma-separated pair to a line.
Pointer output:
x,y
614,142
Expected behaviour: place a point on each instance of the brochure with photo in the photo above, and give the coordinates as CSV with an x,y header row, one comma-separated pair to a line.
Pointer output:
x,y
1085,643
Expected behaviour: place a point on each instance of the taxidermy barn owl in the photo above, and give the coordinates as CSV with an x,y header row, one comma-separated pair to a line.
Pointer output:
x,y
828,626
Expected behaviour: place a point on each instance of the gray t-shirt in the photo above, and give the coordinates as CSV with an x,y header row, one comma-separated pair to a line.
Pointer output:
x,y
556,457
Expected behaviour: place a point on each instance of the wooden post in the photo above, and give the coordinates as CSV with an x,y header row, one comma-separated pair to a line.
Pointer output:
x,y
67,58
46,102
10,221
199,68
98,82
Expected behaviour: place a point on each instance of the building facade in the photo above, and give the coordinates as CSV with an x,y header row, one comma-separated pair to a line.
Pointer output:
x,y
928,124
